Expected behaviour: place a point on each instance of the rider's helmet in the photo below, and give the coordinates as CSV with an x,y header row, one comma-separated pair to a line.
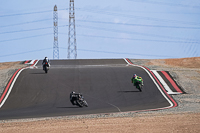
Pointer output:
x,y
134,75
72,92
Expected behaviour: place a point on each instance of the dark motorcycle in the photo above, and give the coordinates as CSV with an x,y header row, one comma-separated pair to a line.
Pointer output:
x,y
81,102
46,67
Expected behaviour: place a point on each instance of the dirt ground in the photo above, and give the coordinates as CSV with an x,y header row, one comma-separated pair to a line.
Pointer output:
x,y
7,65
193,62
178,122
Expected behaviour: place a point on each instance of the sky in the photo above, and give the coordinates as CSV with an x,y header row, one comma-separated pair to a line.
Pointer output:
x,y
105,29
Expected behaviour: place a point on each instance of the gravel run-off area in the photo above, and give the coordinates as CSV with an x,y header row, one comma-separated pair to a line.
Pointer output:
x,y
184,118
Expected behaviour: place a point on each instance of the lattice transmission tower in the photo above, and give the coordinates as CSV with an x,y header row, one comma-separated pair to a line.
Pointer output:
x,y
55,44
72,52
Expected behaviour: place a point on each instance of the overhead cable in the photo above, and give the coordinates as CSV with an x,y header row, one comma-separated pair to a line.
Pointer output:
x,y
168,4
25,37
132,32
128,24
28,13
26,52
146,40
109,52
25,23
139,17
29,30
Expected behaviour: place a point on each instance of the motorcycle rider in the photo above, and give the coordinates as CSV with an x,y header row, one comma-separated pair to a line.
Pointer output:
x,y
136,79
46,60
74,96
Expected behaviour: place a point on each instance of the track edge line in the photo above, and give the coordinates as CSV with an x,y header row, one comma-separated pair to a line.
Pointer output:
x,y
159,86
11,83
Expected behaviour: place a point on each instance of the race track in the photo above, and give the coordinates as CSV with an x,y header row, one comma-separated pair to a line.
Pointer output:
x,y
105,84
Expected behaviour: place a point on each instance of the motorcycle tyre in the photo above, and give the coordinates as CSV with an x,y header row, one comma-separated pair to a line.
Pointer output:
x,y
140,87
79,104
85,104
45,69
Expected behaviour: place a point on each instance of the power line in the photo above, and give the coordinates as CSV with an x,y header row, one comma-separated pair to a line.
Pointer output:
x,y
26,52
25,13
94,51
168,4
146,40
109,52
28,13
146,12
25,30
29,30
25,23
128,24
144,34
25,37
138,17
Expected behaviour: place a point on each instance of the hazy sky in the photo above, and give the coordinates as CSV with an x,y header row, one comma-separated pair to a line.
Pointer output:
x,y
138,29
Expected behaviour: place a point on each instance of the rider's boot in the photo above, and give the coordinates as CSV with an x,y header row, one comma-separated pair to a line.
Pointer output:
x,y
142,83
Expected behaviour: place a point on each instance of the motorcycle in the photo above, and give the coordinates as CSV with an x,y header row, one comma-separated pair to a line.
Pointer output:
x,y
81,102
139,86
46,67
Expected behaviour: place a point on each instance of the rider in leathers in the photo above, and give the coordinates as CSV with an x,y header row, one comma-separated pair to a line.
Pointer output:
x,y
46,60
74,96
135,79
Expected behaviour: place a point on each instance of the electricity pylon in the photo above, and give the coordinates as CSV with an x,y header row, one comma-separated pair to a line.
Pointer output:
x,y
55,44
72,52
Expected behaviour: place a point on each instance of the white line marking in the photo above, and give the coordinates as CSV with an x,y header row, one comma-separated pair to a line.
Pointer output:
x,y
114,106
36,63
11,86
171,104
167,88
104,102
34,66
13,82
169,91
32,61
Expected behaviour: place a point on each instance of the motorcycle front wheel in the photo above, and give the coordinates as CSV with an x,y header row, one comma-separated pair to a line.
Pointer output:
x,y
85,103
79,103
140,87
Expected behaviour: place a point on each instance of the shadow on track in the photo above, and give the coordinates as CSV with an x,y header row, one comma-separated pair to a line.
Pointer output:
x,y
127,91
39,73
68,107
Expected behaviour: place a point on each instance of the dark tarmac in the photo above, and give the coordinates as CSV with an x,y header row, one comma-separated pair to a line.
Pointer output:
x,y
105,84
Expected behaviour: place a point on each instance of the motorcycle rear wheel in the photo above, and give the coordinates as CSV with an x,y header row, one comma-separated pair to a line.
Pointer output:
x,y
45,69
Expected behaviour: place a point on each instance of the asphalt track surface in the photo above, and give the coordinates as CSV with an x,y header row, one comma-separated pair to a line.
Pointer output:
x,y
105,84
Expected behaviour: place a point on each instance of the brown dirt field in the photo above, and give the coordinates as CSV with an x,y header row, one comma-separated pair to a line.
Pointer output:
x,y
178,122
7,65
193,62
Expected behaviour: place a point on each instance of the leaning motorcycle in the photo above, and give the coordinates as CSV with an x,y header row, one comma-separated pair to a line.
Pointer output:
x,y
139,85
81,102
